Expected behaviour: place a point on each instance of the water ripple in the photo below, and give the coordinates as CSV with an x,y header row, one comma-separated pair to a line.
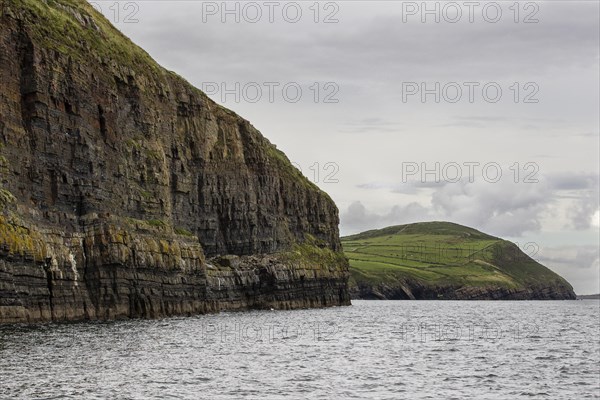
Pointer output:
x,y
378,350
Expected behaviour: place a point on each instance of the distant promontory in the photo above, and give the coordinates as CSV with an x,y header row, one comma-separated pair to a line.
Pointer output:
x,y
443,260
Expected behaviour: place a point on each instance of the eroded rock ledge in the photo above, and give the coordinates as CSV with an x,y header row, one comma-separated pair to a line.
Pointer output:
x,y
137,270
412,290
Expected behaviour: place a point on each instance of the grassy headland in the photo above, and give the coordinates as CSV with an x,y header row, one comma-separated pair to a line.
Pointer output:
x,y
442,255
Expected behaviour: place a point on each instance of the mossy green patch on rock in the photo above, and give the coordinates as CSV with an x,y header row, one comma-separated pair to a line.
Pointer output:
x,y
19,240
183,232
3,164
156,223
313,254
144,224
6,199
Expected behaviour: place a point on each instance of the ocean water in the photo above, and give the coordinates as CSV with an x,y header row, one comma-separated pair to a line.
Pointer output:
x,y
373,349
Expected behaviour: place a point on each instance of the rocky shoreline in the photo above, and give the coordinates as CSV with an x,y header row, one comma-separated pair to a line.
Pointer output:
x,y
412,290
112,273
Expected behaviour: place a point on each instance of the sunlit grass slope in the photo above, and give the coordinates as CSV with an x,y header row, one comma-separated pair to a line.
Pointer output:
x,y
441,253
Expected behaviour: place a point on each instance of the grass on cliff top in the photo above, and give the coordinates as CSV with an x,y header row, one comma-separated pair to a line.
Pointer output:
x,y
285,166
75,28
441,253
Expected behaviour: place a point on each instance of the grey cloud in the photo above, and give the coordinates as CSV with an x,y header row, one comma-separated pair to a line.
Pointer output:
x,y
502,208
369,48
413,187
371,125
583,188
475,121
582,257
588,134
357,218
573,181
527,123
463,124
482,118
581,213
506,208
409,187
580,265
537,47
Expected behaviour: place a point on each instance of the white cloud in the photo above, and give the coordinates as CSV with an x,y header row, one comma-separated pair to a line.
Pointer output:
x,y
595,220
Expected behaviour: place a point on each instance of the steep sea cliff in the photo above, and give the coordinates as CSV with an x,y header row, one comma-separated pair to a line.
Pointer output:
x,y
127,192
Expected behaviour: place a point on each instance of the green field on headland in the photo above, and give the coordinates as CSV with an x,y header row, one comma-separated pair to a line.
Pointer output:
x,y
441,254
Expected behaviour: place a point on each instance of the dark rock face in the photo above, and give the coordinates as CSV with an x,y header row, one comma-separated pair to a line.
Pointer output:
x,y
119,178
412,290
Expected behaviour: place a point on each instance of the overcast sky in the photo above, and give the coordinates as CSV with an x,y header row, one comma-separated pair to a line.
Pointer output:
x,y
387,92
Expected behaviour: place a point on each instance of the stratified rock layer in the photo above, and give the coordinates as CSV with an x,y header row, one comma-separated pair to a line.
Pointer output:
x,y
119,178
414,290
